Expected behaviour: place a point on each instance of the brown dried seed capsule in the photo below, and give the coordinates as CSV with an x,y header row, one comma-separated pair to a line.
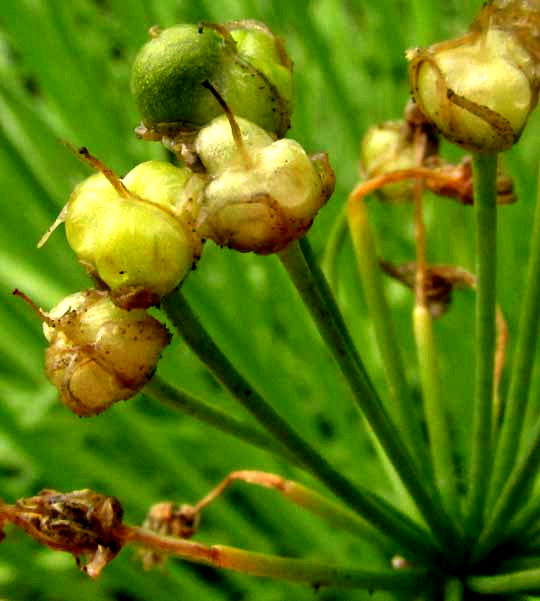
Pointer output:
x,y
81,522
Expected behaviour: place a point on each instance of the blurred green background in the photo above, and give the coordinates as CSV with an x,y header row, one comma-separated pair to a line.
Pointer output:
x,y
64,75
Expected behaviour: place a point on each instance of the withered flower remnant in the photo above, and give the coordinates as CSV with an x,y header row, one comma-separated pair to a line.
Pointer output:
x,y
168,519
480,89
440,281
81,522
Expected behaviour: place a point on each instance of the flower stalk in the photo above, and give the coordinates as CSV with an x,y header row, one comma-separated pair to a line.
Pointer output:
x,y
365,395
314,573
335,514
368,266
485,174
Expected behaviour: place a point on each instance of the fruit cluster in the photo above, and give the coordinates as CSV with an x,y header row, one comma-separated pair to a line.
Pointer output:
x,y
220,97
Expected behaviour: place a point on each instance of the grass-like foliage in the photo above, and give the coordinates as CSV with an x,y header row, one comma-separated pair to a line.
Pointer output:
x,y
386,461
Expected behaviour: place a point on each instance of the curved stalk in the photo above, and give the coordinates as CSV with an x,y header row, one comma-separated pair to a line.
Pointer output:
x,y
381,317
333,513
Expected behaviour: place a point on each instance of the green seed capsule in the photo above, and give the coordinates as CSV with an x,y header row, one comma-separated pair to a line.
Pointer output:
x,y
100,354
244,61
137,238
169,70
261,196
268,79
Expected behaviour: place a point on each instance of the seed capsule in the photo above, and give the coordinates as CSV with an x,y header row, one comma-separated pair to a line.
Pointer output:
x,y
385,149
100,354
243,60
261,195
480,89
136,235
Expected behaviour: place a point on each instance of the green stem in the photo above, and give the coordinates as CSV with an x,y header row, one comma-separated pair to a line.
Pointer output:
x,y
453,591
336,515
327,319
333,513
502,584
322,285
199,409
484,173
313,573
524,523
336,238
514,412
435,410
380,514
511,497
381,318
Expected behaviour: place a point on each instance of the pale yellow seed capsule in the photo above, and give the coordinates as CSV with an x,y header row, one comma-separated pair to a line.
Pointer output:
x,y
475,90
100,354
263,194
136,236
384,149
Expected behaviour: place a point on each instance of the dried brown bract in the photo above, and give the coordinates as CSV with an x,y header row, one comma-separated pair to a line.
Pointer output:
x,y
439,282
168,519
455,181
82,522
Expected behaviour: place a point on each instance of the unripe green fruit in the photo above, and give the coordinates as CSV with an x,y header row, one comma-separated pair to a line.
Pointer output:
x,y
143,244
475,90
168,73
264,205
271,91
100,354
253,77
